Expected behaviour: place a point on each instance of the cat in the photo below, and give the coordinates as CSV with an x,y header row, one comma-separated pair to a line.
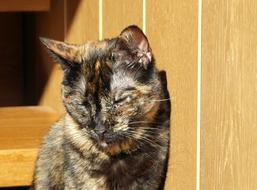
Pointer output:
x,y
115,132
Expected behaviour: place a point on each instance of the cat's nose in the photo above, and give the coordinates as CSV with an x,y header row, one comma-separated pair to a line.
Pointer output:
x,y
100,130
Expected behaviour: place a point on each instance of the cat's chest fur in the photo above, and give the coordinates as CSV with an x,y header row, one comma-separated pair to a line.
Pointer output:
x,y
93,170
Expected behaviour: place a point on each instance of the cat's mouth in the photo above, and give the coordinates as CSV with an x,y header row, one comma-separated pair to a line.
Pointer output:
x,y
112,144
103,144
114,148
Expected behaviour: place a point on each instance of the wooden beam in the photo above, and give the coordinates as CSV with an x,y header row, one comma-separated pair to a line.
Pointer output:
x,y
24,5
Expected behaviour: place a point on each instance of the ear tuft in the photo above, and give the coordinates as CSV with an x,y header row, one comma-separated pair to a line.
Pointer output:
x,y
138,43
63,50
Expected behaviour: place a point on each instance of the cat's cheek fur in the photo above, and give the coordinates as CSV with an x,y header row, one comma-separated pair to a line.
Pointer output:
x,y
150,111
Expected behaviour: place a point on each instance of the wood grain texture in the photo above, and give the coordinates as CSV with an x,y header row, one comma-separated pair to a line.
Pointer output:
x,y
24,5
82,21
17,167
172,31
117,16
229,91
22,129
11,71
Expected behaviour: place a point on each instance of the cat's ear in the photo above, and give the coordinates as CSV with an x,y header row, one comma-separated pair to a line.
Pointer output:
x,y
138,42
63,51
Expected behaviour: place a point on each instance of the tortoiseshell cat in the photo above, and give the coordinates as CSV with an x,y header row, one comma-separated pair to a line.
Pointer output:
x,y
115,133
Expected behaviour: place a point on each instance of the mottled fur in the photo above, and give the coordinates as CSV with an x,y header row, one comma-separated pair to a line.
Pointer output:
x,y
115,133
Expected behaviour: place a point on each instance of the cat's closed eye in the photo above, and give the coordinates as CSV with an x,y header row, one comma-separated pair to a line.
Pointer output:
x,y
122,99
113,58
125,96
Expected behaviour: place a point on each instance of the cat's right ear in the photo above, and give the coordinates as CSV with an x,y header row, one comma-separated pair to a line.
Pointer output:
x,y
66,54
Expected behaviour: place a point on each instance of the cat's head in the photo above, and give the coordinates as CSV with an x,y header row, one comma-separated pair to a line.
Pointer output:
x,y
111,88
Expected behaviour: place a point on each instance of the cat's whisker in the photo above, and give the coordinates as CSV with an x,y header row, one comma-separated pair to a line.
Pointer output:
x,y
154,144
151,127
143,122
148,136
144,138
151,143
151,132
161,100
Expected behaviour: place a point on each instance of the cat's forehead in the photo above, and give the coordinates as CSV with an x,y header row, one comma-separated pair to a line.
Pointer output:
x,y
119,80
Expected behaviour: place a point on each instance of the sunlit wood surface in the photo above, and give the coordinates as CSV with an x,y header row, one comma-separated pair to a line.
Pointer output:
x,y
229,95
22,129
117,16
172,30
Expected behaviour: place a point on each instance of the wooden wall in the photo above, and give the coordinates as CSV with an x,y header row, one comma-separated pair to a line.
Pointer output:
x,y
171,27
117,16
229,95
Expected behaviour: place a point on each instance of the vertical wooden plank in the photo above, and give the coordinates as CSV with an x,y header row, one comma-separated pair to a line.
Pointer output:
x,y
82,21
118,15
229,91
172,31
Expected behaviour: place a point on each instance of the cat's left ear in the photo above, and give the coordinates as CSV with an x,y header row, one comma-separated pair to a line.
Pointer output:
x,y
138,42
63,51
